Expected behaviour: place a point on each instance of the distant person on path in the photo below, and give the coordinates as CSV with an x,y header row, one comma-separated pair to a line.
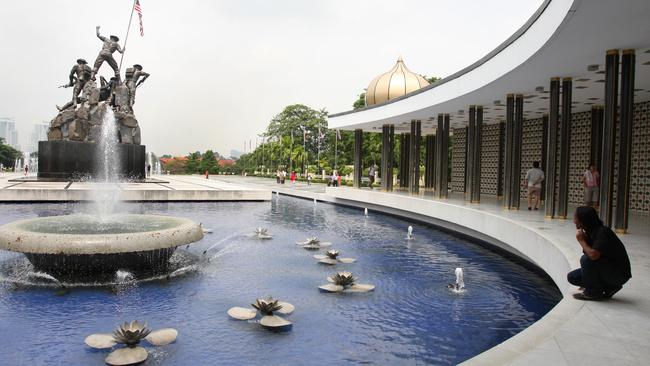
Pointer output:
x,y
533,180
207,174
283,176
292,177
333,179
604,266
277,176
308,179
148,170
371,175
26,169
591,183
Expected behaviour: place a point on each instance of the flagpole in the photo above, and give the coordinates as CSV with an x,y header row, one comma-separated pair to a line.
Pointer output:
x,y
127,36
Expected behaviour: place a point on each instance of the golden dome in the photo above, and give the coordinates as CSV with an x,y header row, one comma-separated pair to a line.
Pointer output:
x,y
394,83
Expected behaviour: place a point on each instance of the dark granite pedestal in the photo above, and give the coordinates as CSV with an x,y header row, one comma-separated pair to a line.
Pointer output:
x,y
73,160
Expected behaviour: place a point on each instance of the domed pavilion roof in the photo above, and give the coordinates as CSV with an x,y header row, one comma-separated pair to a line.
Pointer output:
x,y
396,82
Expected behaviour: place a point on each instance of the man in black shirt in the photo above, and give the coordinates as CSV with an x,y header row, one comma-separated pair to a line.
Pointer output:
x,y
605,266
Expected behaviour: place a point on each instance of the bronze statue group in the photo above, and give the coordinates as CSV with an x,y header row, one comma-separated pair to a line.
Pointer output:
x,y
78,119
82,77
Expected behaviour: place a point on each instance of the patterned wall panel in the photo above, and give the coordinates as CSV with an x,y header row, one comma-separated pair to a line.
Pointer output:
x,y
490,159
640,172
579,156
531,149
458,160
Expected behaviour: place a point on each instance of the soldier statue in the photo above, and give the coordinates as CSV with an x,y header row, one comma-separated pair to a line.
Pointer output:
x,y
106,89
132,83
79,75
106,54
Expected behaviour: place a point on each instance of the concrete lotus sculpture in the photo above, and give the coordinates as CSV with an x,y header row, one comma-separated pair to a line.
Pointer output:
x,y
344,282
266,309
331,257
313,244
130,334
262,233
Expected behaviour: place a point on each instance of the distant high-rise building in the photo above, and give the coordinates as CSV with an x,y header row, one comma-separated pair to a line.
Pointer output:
x,y
8,131
39,133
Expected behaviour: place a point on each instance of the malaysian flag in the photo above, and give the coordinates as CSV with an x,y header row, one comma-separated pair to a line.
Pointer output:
x,y
138,9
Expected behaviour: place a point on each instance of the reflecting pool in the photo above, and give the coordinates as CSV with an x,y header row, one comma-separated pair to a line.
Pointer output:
x,y
410,318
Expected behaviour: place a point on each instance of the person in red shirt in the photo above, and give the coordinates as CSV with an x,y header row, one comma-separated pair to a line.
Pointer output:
x,y
293,177
590,182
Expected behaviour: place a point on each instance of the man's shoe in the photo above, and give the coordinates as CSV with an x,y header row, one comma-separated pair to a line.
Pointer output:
x,y
609,293
587,297
529,208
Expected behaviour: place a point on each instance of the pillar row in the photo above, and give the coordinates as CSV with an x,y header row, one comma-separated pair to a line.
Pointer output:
x,y
414,157
507,183
469,153
609,134
551,157
515,182
596,135
444,157
565,149
477,151
430,161
358,151
387,153
625,141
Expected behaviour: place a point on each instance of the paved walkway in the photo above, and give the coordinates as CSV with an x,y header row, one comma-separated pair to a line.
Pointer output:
x,y
613,332
160,188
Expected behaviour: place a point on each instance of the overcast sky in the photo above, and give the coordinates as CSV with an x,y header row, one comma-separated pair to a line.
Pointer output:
x,y
220,70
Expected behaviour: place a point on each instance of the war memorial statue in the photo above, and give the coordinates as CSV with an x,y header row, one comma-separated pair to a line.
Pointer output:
x,y
80,119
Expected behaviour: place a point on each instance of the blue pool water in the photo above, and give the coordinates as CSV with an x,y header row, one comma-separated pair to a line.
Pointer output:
x,y
411,317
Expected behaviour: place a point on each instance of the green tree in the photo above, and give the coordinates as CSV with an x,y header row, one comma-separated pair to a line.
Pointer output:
x,y
431,79
8,154
302,133
360,102
209,163
192,163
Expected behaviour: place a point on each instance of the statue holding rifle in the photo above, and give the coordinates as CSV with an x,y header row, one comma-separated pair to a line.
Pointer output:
x,y
79,75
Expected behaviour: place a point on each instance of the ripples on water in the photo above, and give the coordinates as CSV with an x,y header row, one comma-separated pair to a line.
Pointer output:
x,y
411,317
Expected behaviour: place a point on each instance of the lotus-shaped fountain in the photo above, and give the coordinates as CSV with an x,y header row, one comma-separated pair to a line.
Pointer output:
x,y
345,282
262,233
331,257
313,244
71,247
130,335
266,309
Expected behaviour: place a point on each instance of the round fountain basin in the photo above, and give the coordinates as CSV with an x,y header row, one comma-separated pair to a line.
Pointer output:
x,y
74,245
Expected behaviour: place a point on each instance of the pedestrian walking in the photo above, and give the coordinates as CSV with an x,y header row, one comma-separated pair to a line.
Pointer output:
x,y
371,175
591,184
533,182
